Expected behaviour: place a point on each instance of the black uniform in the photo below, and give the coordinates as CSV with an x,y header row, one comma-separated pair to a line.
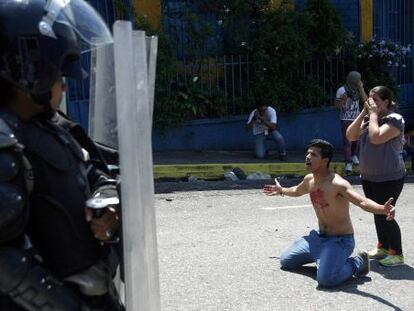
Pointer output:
x,y
52,214
49,258
103,157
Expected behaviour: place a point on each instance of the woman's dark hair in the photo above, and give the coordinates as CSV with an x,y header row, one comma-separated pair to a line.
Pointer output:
x,y
385,93
325,147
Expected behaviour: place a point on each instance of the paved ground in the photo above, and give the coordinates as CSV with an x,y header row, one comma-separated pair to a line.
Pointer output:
x,y
218,250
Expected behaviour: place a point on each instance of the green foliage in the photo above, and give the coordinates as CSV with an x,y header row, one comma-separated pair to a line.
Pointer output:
x,y
375,60
324,30
176,104
280,44
198,31
237,19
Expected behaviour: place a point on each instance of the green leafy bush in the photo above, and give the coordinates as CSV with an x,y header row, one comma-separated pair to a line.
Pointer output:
x,y
376,60
324,31
280,44
283,42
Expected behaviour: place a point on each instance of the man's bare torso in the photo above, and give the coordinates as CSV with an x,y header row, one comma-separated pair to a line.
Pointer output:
x,y
331,208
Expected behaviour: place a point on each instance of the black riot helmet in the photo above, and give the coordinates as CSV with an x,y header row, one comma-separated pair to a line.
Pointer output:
x,y
41,40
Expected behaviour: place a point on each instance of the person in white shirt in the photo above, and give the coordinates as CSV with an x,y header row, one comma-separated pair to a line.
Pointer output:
x,y
348,99
263,123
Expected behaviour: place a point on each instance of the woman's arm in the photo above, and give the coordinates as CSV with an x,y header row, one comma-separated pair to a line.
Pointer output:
x,y
354,130
380,134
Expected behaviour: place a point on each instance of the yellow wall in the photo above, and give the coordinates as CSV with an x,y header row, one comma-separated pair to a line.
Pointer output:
x,y
275,4
367,19
150,8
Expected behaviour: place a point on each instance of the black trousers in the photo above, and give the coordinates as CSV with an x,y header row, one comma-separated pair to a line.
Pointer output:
x,y
107,302
388,232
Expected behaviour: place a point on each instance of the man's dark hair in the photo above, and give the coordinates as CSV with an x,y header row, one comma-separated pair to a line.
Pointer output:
x,y
260,103
325,147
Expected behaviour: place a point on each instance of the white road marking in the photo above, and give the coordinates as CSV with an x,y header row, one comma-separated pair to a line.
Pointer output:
x,y
285,207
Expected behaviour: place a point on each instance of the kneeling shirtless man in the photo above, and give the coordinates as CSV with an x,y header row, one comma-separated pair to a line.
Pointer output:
x,y
331,245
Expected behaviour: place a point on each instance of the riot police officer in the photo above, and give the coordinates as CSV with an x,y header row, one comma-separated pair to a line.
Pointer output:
x,y
52,250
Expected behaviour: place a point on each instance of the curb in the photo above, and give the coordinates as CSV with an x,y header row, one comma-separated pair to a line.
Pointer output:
x,y
216,171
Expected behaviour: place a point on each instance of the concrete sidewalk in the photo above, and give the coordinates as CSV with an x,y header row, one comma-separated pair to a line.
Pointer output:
x,y
212,164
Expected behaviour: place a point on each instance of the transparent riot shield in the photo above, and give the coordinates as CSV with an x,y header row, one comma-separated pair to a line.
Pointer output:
x,y
152,49
134,98
102,104
102,108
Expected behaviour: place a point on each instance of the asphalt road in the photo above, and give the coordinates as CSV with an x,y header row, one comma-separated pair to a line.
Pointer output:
x,y
218,250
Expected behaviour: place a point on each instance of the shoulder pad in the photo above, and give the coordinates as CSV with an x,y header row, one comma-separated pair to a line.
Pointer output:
x,y
45,145
9,165
13,214
7,138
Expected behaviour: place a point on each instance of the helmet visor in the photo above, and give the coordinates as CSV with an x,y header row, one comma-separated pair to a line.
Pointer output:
x,y
81,17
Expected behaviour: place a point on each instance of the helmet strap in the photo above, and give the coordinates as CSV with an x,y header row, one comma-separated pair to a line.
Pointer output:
x,y
44,101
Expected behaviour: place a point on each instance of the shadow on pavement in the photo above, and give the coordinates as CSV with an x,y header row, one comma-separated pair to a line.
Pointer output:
x,y
201,185
309,271
404,272
351,286
174,186
177,186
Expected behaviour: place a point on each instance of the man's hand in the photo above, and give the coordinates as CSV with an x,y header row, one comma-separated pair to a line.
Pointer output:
x,y
103,227
258,117
341,101
275,189
360,85
389,209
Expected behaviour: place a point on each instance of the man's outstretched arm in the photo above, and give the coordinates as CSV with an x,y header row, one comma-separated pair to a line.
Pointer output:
x,y
367,204
294,191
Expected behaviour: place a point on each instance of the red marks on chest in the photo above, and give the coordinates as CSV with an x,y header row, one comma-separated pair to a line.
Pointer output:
x,y
318,199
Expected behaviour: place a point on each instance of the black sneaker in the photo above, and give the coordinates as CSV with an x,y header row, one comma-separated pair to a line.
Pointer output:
x,y
365,265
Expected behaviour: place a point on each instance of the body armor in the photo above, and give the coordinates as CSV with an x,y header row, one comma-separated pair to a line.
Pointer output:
x,y
57,226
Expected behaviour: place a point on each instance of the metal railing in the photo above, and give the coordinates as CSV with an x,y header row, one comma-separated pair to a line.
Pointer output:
x,y
228,76
394,20
231,76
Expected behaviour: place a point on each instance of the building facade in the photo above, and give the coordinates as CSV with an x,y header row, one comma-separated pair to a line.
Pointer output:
x,y
382,19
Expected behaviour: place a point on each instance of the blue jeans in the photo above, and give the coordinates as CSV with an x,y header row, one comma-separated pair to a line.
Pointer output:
x,y
274,135
331,254
351,148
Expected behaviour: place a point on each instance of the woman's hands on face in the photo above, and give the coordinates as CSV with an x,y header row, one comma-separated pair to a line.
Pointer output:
x,y
370,106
